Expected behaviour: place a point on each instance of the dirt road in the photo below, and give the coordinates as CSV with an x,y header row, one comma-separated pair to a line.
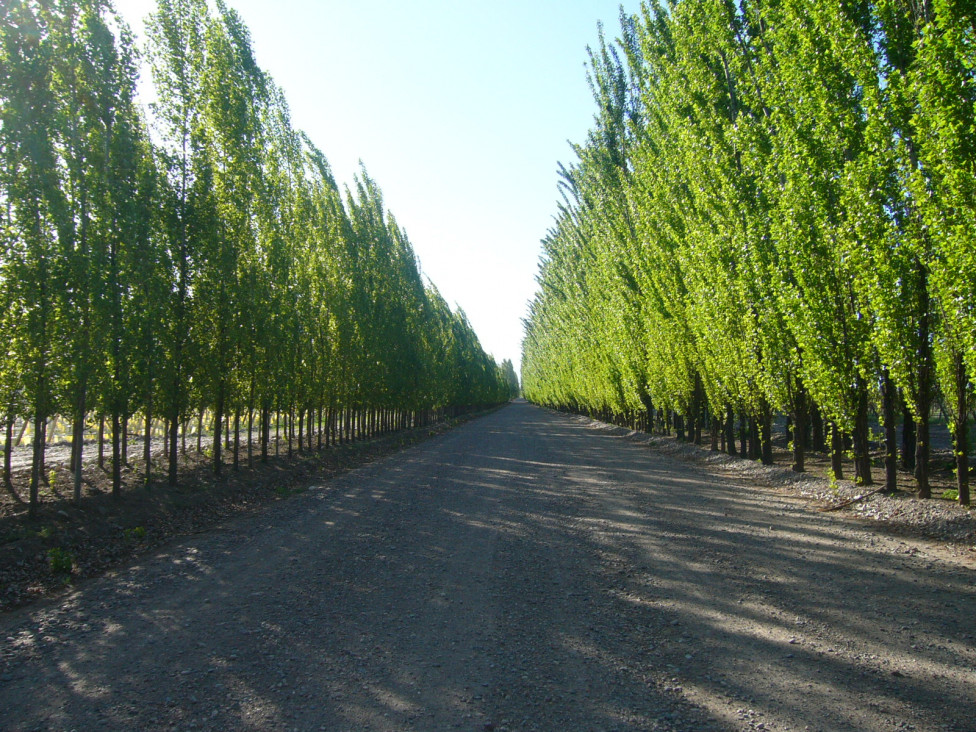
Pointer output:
x,y
521,572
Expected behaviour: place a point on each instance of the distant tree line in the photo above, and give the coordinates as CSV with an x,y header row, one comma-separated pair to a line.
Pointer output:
x,y
775,211
203,259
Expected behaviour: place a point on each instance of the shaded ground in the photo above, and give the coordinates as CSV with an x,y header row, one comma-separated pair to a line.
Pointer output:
x,y
524,571
101,532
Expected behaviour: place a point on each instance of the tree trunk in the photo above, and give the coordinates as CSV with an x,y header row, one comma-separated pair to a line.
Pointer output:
x,y
697,411
250,436
289,428
37,464
43,457
237,438
908,437
888,394
301,430
766,433
755,451
817,431
959,436
800,409
7,451
147,447
836,451
862,448
218,442
77,447
730,431
173,446
116,455
101,442
924,401
125,439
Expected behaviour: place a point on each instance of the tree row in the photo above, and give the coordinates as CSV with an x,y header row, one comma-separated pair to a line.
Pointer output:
x,y
199,258
774,212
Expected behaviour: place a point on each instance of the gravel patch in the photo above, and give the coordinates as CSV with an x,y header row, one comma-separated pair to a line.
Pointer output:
x,y
933,518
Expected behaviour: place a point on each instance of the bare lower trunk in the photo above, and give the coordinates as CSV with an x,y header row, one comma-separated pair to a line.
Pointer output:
x,y
101,442
320,427
37,465
766,434
924,402
907,438
218,443
78,446
799,428
7,451
862,451
174,435
116,455
125,440
755,450
289,425
301,430
836,451
147,449
817,431
730,432
250,436
959,436
888,394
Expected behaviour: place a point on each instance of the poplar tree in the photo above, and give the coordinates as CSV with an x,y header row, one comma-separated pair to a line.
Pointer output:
x,y
33,260
176,51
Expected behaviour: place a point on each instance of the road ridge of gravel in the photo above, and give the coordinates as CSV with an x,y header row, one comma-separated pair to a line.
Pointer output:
x,y
933,519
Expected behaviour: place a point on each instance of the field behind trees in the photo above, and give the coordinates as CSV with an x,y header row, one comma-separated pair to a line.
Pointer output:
x,y
199,267
774,213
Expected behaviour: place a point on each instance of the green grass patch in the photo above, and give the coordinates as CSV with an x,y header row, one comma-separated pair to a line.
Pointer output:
x,y
60,561
137,533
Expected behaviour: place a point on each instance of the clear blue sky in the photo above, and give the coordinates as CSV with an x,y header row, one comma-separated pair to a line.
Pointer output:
x,y
460,110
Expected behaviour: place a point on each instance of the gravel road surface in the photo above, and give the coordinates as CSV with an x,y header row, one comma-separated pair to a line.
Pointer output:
x,y
525,572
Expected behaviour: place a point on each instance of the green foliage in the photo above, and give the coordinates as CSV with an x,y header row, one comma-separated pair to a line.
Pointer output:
x,y
774,205
60,561
215,265
136,533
